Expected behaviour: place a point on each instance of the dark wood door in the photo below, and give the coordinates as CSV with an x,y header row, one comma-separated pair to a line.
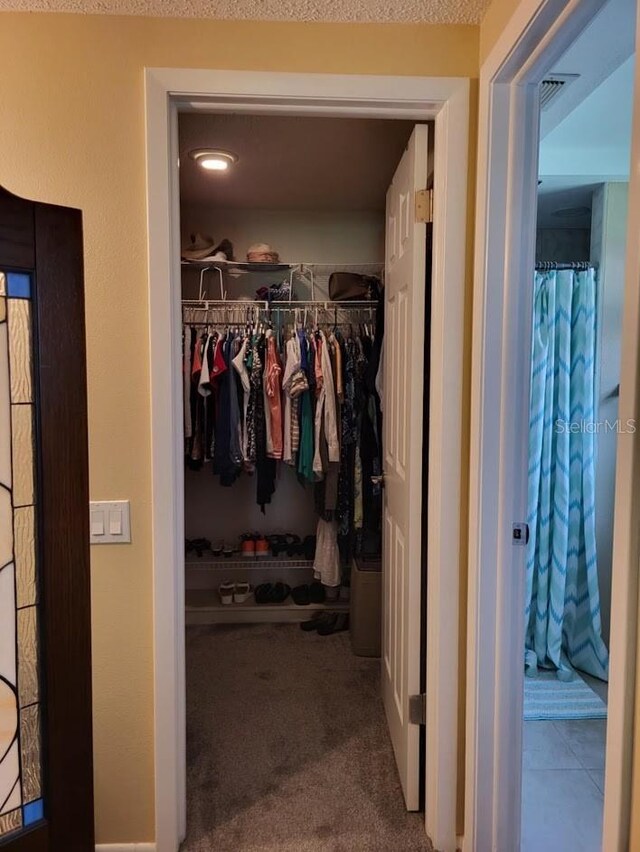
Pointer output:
x,y
46,773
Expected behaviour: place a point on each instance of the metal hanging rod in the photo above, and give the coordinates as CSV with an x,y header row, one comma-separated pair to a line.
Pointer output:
x,y
249,266
234,304
578,265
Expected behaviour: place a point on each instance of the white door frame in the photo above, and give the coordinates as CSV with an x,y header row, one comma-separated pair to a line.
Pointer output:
x,y
446,101
537,35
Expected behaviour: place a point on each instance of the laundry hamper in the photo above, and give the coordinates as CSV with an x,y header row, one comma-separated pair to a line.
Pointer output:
x,y
366,607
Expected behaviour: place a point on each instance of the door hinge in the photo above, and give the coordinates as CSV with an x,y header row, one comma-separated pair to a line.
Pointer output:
x,y
424,205
418,709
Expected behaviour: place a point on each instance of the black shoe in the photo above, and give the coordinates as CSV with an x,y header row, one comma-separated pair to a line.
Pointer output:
x,y
200,545
263,593
337,623
316,622
317,594
301,596
280,593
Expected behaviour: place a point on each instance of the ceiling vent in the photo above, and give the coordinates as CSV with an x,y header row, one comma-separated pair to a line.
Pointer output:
x,y
552,86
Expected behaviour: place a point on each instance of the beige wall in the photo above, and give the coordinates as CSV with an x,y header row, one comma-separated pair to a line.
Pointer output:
x,y
72,133
495,20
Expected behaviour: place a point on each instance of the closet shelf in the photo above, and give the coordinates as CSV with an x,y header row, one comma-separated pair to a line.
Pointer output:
x,y
308,273
203,607
244,266
248,563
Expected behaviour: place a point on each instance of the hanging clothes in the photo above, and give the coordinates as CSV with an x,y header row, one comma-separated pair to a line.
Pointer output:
x,y
273,389
254,398
326,565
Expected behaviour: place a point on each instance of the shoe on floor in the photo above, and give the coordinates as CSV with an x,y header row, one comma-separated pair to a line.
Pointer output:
x,y
336,624
226,591
314,623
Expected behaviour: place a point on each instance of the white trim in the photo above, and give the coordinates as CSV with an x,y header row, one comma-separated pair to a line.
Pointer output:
x,y
446,100
125,847
537,34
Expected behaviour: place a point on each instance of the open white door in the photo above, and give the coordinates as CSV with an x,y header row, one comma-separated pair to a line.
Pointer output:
x,y
404,295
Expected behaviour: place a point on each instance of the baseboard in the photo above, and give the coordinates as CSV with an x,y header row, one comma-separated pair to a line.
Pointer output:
x,y
125,847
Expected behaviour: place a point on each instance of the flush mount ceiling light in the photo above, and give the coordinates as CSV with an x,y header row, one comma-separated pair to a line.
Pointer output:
x,y
213,159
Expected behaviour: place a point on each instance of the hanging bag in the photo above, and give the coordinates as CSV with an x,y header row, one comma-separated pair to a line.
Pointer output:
x,y
344,286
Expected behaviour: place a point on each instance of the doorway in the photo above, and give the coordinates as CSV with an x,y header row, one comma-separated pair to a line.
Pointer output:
x,y
286,314
580,257
564,701
336,96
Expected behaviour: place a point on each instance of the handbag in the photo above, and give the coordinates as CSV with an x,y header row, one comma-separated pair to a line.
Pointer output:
x,y
344,286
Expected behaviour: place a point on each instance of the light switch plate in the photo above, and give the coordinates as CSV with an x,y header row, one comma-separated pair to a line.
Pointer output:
x,y
110,522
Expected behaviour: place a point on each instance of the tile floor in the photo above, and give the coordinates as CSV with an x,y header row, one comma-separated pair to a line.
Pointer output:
x,y
563,785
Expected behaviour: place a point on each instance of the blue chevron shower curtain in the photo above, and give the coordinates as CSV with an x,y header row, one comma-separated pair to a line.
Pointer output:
x,y
563,599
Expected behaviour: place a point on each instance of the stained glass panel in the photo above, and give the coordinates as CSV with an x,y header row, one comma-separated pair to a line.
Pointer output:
x,y
30,745
25,555
22,454
11,821
20,350
21,802
5,408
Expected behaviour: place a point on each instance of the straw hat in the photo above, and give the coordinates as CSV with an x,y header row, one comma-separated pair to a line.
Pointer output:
x,y
262,253
199,247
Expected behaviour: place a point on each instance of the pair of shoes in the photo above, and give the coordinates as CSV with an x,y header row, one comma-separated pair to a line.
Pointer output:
x,y
307,594
270,593
254,545
222,549
197,544
278,544
327,623
234,592
309,547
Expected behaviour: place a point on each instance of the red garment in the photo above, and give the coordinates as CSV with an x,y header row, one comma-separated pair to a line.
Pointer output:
x,y
219,365
197,357
273,375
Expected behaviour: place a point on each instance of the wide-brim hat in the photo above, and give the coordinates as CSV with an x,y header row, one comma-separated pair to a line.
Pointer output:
x,y
199,247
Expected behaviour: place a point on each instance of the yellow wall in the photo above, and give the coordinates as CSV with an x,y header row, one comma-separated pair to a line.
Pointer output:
x,y
493,23
72,133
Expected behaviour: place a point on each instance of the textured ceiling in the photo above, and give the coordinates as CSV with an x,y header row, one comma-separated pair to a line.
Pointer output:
x,y
292,163
402,11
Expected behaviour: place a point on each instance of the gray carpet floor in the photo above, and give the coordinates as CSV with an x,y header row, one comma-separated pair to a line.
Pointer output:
x,y
287,746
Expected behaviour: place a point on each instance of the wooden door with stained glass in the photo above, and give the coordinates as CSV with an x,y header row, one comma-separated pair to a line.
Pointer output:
x,y
46,776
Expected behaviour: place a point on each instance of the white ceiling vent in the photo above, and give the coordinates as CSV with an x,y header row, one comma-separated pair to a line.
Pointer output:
x,y
552,86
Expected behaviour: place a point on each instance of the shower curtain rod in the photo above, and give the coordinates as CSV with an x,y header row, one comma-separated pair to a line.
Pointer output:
x,y
580,265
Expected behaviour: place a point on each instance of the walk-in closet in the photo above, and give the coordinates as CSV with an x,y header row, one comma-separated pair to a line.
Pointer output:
x,y
285,241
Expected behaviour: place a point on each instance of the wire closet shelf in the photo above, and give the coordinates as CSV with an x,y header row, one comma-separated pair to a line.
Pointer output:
x,y
308,273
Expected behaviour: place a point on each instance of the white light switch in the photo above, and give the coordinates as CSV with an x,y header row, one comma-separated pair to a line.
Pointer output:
x,y
97,522
115,522
110,522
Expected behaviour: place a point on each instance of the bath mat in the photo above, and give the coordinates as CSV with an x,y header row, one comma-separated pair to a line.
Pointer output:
x,y
546,697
